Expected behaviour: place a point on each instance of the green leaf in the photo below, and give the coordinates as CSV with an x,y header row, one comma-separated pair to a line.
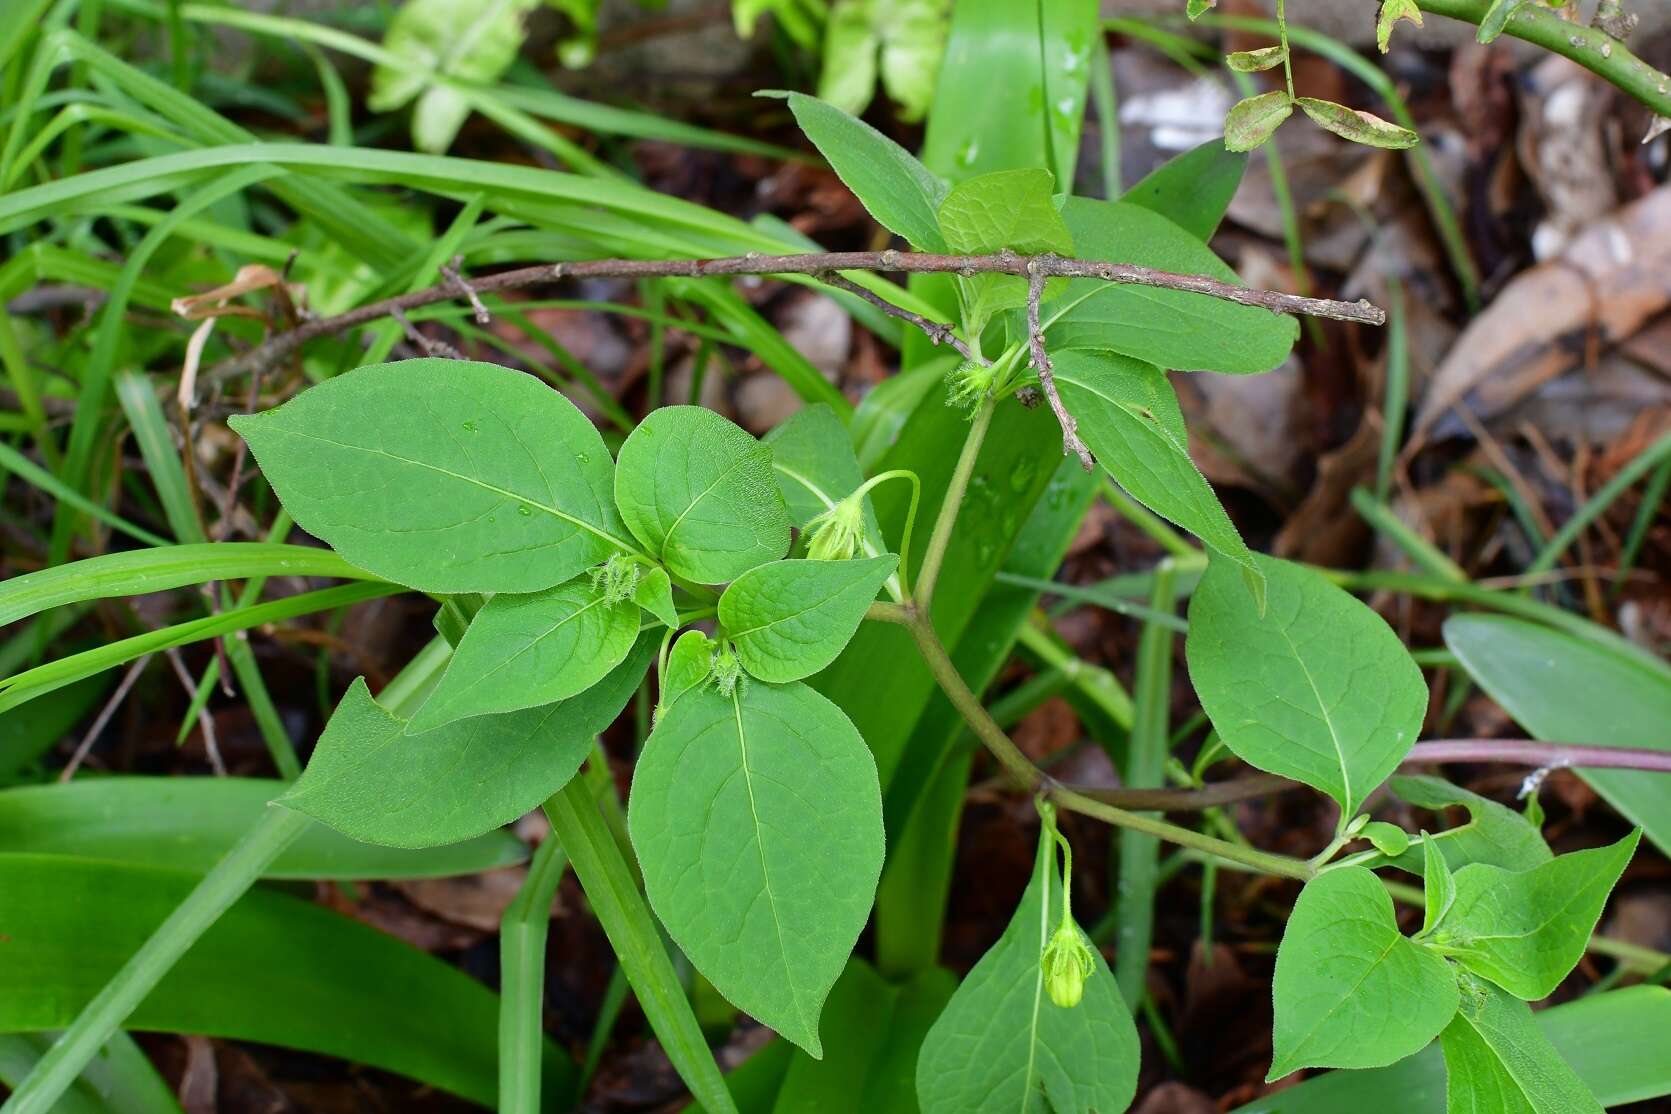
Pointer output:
x,y
875,1030
700,494
1496,18
372,781
757,818
1525,930
1130,418
471,40
272,969
910,36
1493,834
1257,61
654,593
528,651
1359,127
1497,1060
898,190
1349,990
188,823
1567,689
1195,9
443,475
1002,1045
1391,12
1615,1041
1192,190
1167,328
1438,885
1389,839
1252,121
790,619
1318,688
1011,209
812,455
689,664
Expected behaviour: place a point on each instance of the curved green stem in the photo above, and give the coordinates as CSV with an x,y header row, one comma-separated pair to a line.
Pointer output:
x,y
910,519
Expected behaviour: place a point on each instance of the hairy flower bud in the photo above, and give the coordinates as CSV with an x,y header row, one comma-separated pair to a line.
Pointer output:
x,y
969,385
1067,963
836,534
728,671
616,579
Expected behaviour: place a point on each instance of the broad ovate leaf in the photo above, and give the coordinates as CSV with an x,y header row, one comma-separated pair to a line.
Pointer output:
x,y
757,817
1011,209
1002,1046
444,475
1317,688
789,619
1359,127
700,494
522,651
900,192
1493,833
1350,991
1129,417
371,780
1167,328
471,40
1255,119
1526,930
1497,1060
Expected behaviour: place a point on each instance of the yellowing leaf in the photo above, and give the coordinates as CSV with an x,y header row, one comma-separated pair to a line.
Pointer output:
x,y
1391,12
1252,121
1254,61
1359,127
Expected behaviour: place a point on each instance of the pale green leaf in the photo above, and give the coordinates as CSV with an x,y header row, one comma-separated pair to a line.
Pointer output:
x,y
1391,12
1318,688
789,619
899,191
1525,930
370,780
1389,839
530,650
1257,61
1359,127
1011,209
689,663
1129,417
913,45
443,475
1002,1046
1167,328
654,593
1497,1060
700,494
471,40
847,80
1438,885
1252,121
1349,990
757,817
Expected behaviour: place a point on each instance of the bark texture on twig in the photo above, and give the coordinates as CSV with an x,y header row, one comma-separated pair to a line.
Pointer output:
x,y
1040,356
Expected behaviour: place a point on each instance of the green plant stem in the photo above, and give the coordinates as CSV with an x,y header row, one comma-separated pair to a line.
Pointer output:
x,y
1425,555
626,920
230,878
935,554
910,520
522,936
1287,60
1590,47
1028,776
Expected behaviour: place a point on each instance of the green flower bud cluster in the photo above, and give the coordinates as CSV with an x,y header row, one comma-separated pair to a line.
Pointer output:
x,y
838,533
616,579
1067,962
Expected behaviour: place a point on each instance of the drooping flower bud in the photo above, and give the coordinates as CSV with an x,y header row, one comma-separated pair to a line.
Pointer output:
x,y
1067,963
836,534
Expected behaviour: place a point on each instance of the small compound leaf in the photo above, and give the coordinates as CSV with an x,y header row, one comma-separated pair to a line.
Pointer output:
x,y
1129,416
789,619
1003,1046
654,593
1493,834
689,663
1257,61
1438,885
527,651
900,192
1391,12
370,780
1526,930
757,817
700,494
443,475
1252,121
1349,990
1496,18
1389,839
1318,688
1359,127
1497,1060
